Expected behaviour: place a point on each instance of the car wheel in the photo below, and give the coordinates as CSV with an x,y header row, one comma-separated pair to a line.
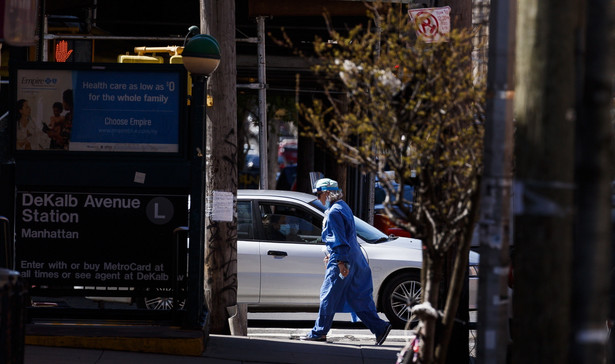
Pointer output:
x,y
399,296
162,302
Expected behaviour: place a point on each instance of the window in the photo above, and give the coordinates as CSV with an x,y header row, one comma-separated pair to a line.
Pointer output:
x,y
245,226
289,223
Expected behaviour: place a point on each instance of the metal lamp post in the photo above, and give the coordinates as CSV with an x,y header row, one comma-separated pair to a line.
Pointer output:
x,y
201,57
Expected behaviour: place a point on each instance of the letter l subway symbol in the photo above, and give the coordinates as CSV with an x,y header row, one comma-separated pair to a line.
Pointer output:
x,y
156,215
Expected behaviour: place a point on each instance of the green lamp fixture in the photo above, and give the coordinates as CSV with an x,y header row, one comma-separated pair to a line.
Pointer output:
x,y
201,55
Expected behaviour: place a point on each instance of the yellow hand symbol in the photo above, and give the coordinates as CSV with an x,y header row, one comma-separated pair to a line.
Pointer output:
x,y
62,52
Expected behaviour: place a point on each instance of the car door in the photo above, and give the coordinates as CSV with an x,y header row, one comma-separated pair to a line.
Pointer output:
x,y
292,268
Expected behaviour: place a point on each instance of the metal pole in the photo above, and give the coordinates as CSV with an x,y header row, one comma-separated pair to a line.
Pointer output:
x,y
196,251
41,29
370,180
262,104
45,43
110,37
495,225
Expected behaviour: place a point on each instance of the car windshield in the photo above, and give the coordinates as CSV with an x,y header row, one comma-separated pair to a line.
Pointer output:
x,y
364,230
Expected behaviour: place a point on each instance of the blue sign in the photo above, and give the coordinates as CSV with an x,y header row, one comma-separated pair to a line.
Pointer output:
x,y
139,112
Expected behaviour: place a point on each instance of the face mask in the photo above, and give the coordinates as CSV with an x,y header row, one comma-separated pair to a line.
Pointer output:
x,y
285,229
328,203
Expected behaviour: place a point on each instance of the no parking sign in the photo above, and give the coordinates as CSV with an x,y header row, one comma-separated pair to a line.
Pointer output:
x,y
432,24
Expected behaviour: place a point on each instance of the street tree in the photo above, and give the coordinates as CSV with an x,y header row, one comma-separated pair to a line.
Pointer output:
x,y
410,112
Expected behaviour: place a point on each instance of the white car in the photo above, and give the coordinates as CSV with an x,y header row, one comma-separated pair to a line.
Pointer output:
x,y
285,272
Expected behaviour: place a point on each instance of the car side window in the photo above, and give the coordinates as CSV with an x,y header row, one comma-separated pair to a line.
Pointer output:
x,y
245,226
289,223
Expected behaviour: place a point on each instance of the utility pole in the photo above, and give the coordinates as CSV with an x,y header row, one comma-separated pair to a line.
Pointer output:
x,y
543,188
461,11
593,175
218,19
495,225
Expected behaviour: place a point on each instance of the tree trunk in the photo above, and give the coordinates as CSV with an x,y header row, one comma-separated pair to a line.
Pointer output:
x,y
544,110
432,271
455,341
221,236
453,306
593,176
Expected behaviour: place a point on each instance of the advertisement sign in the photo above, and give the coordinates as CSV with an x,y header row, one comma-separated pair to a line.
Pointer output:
x,y
99,109
432,24
97,239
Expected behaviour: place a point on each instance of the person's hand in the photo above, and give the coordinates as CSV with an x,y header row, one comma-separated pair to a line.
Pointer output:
x,y
343,268
326,260
62,52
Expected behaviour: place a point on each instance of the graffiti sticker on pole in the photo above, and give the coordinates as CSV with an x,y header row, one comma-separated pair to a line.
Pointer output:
x,y
432,24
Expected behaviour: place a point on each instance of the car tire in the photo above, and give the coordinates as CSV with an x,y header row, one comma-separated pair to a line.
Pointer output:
x,y
156,302
399,296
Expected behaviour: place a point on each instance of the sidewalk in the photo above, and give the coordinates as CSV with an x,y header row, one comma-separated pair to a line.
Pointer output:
x,y
227,349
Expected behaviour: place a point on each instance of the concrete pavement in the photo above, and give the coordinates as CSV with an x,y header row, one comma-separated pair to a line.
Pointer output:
x,y
346,343
258,347
272,338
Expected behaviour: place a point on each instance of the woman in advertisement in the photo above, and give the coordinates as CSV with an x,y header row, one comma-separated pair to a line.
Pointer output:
x,y
26,130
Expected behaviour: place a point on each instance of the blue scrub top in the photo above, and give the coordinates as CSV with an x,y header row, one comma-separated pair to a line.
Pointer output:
x,y
340,235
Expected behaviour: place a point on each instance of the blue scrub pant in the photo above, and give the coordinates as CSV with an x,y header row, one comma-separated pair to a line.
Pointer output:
x,y
336,291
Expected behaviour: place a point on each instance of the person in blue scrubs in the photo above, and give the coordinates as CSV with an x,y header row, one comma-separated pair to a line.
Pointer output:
x,y
348,279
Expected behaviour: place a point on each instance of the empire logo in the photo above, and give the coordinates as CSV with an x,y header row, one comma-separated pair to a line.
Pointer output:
x,y
39,82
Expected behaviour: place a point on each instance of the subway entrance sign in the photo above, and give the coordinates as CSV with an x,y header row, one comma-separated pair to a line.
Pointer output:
x,y
98,239
96,181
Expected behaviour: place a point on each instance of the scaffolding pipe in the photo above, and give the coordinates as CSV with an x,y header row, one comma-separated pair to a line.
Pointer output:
x,y
108,37
262,104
